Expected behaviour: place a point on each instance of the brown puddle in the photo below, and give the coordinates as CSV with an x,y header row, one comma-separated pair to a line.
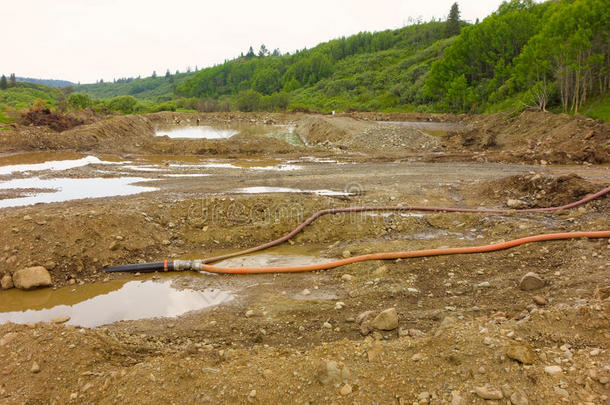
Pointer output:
x,y
96,304
284,255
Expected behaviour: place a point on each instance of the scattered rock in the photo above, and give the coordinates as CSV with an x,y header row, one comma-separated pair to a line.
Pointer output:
x,y
327,325
8,338
521,353
519,398
340,305
457,398
538,300
416,333
328,372
346,254
488,393
553,370
423,397
531,281
7,282
61,319
249,313
305,292
386,320
35,368
380,271
417,357
347,277
375,351
32,277
516,204
346,390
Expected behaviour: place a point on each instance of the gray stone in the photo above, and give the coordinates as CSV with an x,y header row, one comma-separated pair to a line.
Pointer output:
x,y
32,277
386,320
488,393
531,281
553,370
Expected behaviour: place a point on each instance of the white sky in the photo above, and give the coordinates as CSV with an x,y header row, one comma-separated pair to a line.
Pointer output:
x,y
85,40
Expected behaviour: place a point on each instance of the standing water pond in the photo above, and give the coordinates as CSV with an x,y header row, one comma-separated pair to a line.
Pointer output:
x,y
96,304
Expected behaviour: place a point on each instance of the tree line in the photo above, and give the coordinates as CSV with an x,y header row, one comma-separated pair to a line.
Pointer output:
x,y
11,82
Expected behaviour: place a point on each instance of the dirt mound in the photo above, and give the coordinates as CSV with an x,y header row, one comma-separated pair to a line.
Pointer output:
x,y
536,136
45,117
537,191
364,135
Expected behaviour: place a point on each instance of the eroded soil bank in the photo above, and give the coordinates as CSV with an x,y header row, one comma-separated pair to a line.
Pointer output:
x,y
468,329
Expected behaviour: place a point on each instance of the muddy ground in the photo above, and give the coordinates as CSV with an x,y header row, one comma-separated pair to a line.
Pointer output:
x,y
295,338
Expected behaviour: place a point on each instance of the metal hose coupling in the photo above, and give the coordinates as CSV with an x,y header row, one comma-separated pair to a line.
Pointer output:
x,y
184,265
166,265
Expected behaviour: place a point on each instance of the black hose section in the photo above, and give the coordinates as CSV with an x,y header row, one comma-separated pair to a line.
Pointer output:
x,y
140,268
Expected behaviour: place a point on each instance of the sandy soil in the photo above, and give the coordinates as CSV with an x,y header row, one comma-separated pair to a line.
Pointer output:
x,y
467,333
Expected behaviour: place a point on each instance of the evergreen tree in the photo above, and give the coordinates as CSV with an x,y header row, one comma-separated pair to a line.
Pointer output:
x,y
167,74
12,82
250,53
154,74
263,51
3,83
453,21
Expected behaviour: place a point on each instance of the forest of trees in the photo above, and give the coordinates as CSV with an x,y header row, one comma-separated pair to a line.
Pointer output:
x,y
552,53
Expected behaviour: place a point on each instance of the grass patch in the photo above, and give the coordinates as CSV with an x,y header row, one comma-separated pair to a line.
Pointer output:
x,y
598,108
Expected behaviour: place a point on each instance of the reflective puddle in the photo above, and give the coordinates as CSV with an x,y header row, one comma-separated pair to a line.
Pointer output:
x,y
283,132
265,189
98,304
54,165
65,189
199,132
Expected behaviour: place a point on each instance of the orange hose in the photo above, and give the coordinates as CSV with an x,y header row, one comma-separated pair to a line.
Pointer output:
x,y
402,255
318,214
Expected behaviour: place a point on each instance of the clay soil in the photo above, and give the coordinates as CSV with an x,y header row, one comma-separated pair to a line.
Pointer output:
x,y
459,316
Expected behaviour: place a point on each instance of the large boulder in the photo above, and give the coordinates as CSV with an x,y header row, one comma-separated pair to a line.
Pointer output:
x,y
32,277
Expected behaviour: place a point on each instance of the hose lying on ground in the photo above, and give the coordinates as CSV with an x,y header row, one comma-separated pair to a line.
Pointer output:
x,y
401,255
199,265
179,265
399,208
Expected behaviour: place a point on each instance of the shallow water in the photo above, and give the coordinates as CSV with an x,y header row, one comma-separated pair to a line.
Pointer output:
x,y
199,132
70,189
265,189
96,304
54,165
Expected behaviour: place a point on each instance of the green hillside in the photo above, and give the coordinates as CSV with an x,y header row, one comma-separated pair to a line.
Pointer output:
x,y
553,56
156,89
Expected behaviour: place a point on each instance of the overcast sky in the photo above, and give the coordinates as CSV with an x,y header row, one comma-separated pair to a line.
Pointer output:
x,y
87,40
